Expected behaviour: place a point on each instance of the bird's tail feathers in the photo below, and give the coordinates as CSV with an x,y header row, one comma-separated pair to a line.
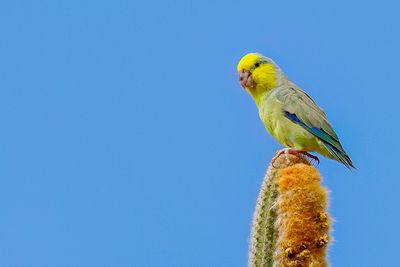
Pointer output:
x,y
339,155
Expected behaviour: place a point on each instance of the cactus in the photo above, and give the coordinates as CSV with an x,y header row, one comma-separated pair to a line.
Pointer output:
x,y
290,224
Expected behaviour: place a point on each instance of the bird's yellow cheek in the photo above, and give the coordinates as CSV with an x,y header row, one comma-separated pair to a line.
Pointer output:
x,y
264,77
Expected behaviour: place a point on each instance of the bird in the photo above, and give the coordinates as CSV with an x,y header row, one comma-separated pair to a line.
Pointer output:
x,y
288,113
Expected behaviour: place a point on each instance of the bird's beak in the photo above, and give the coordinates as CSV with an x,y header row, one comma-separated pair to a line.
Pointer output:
x,y
245,79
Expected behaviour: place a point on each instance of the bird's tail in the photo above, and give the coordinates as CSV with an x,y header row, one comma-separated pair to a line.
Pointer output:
x,y
339,154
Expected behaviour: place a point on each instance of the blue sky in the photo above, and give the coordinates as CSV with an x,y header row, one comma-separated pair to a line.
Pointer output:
x,y
126,139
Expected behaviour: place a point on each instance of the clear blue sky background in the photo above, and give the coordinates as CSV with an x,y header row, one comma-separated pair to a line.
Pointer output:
x,y
126,139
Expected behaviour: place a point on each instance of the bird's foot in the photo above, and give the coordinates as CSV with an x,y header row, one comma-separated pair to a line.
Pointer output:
x,y
293,151
311,156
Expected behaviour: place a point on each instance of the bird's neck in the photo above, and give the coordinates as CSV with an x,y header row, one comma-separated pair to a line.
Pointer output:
x,y
259,98
265,87
259,95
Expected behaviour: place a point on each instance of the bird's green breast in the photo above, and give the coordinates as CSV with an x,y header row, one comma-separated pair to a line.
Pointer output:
x,y
282,129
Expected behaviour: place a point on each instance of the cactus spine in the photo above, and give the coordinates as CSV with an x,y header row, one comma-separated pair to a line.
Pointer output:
x,y
290,224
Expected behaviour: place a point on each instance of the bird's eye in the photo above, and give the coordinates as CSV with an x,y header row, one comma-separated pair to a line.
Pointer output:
x,y
257,65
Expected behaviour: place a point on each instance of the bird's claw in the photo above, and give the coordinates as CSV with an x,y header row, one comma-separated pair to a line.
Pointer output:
x,y
288,151
285,151
312,157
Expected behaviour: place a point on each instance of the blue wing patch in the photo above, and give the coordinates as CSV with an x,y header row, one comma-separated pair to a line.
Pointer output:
x,y
331,144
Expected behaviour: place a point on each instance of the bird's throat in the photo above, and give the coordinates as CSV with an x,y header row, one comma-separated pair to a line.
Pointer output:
x,y
258,94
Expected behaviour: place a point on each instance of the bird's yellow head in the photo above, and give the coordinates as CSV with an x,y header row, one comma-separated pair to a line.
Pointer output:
x,y
258,74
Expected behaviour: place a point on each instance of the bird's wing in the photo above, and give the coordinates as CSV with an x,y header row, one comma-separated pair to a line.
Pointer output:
x,y
301,109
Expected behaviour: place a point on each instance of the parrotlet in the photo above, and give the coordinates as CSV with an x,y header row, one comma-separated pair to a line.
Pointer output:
x,y
289,114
